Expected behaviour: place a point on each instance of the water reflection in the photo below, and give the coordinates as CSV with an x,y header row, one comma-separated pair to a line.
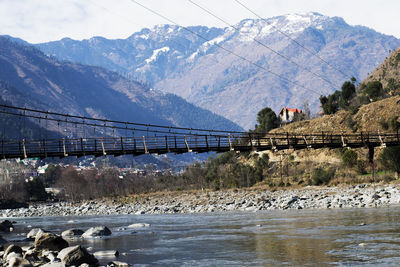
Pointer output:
x,y
293,238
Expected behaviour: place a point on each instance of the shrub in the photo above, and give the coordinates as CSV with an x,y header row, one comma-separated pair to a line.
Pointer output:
x,y
384,124
394,124
361,167
349,158
321,176
374,90
35,189
390,158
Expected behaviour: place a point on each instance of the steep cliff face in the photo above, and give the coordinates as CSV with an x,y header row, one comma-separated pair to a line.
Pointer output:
x,y
176,61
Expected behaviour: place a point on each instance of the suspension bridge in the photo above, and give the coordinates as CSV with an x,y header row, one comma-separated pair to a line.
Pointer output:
x,y
109,138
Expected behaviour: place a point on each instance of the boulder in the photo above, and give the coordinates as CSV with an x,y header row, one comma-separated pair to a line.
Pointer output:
x,y
76,255
19,262
33,232
12,255
12,248
72,233
97,231
49,241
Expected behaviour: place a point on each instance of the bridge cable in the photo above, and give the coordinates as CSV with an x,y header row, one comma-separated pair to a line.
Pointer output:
x,y
264,45
4,126
120,122
229,51
293,40
106,126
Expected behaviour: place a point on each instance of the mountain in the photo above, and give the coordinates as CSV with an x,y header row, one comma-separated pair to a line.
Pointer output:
x,y
28,78
174,60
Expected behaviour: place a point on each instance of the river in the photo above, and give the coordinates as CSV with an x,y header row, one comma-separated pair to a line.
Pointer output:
x,y
339,237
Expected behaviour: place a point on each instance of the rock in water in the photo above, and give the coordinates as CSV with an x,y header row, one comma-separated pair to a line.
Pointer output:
x,y
118,264
76,255
6,226
50,241
97,231
106,253
139,225
72,233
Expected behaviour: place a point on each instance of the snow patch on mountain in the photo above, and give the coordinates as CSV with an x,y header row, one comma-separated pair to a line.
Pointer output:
x,y
156,54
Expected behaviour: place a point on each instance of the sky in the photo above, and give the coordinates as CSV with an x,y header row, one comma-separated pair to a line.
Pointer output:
x,y
39,21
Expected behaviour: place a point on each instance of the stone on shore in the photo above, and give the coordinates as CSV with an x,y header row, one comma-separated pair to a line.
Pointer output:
x,y
19,262
96,232
76,255
49,241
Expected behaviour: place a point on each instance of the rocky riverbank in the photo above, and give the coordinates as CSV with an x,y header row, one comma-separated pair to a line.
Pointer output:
x,y
250,199
43,248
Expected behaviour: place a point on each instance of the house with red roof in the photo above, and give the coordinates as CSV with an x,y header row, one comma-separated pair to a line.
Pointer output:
x,y
289,114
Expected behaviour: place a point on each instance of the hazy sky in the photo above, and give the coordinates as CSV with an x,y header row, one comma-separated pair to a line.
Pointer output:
x,y
46,20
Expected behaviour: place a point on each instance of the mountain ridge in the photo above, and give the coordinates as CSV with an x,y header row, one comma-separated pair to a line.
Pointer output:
x,y
176,61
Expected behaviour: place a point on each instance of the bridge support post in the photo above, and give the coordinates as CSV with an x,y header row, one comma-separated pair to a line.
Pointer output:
x,y
144,145
166,144
122,145
187,145
23,147
65,152
44,148
102,147
371,154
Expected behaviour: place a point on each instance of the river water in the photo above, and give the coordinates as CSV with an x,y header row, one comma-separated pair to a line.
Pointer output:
x,y
355,237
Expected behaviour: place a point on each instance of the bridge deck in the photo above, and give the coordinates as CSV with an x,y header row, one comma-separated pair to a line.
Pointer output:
x,y
190,143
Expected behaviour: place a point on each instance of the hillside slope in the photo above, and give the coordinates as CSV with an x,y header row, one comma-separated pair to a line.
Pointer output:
x,y
31,79
388,73
367,118
176,61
